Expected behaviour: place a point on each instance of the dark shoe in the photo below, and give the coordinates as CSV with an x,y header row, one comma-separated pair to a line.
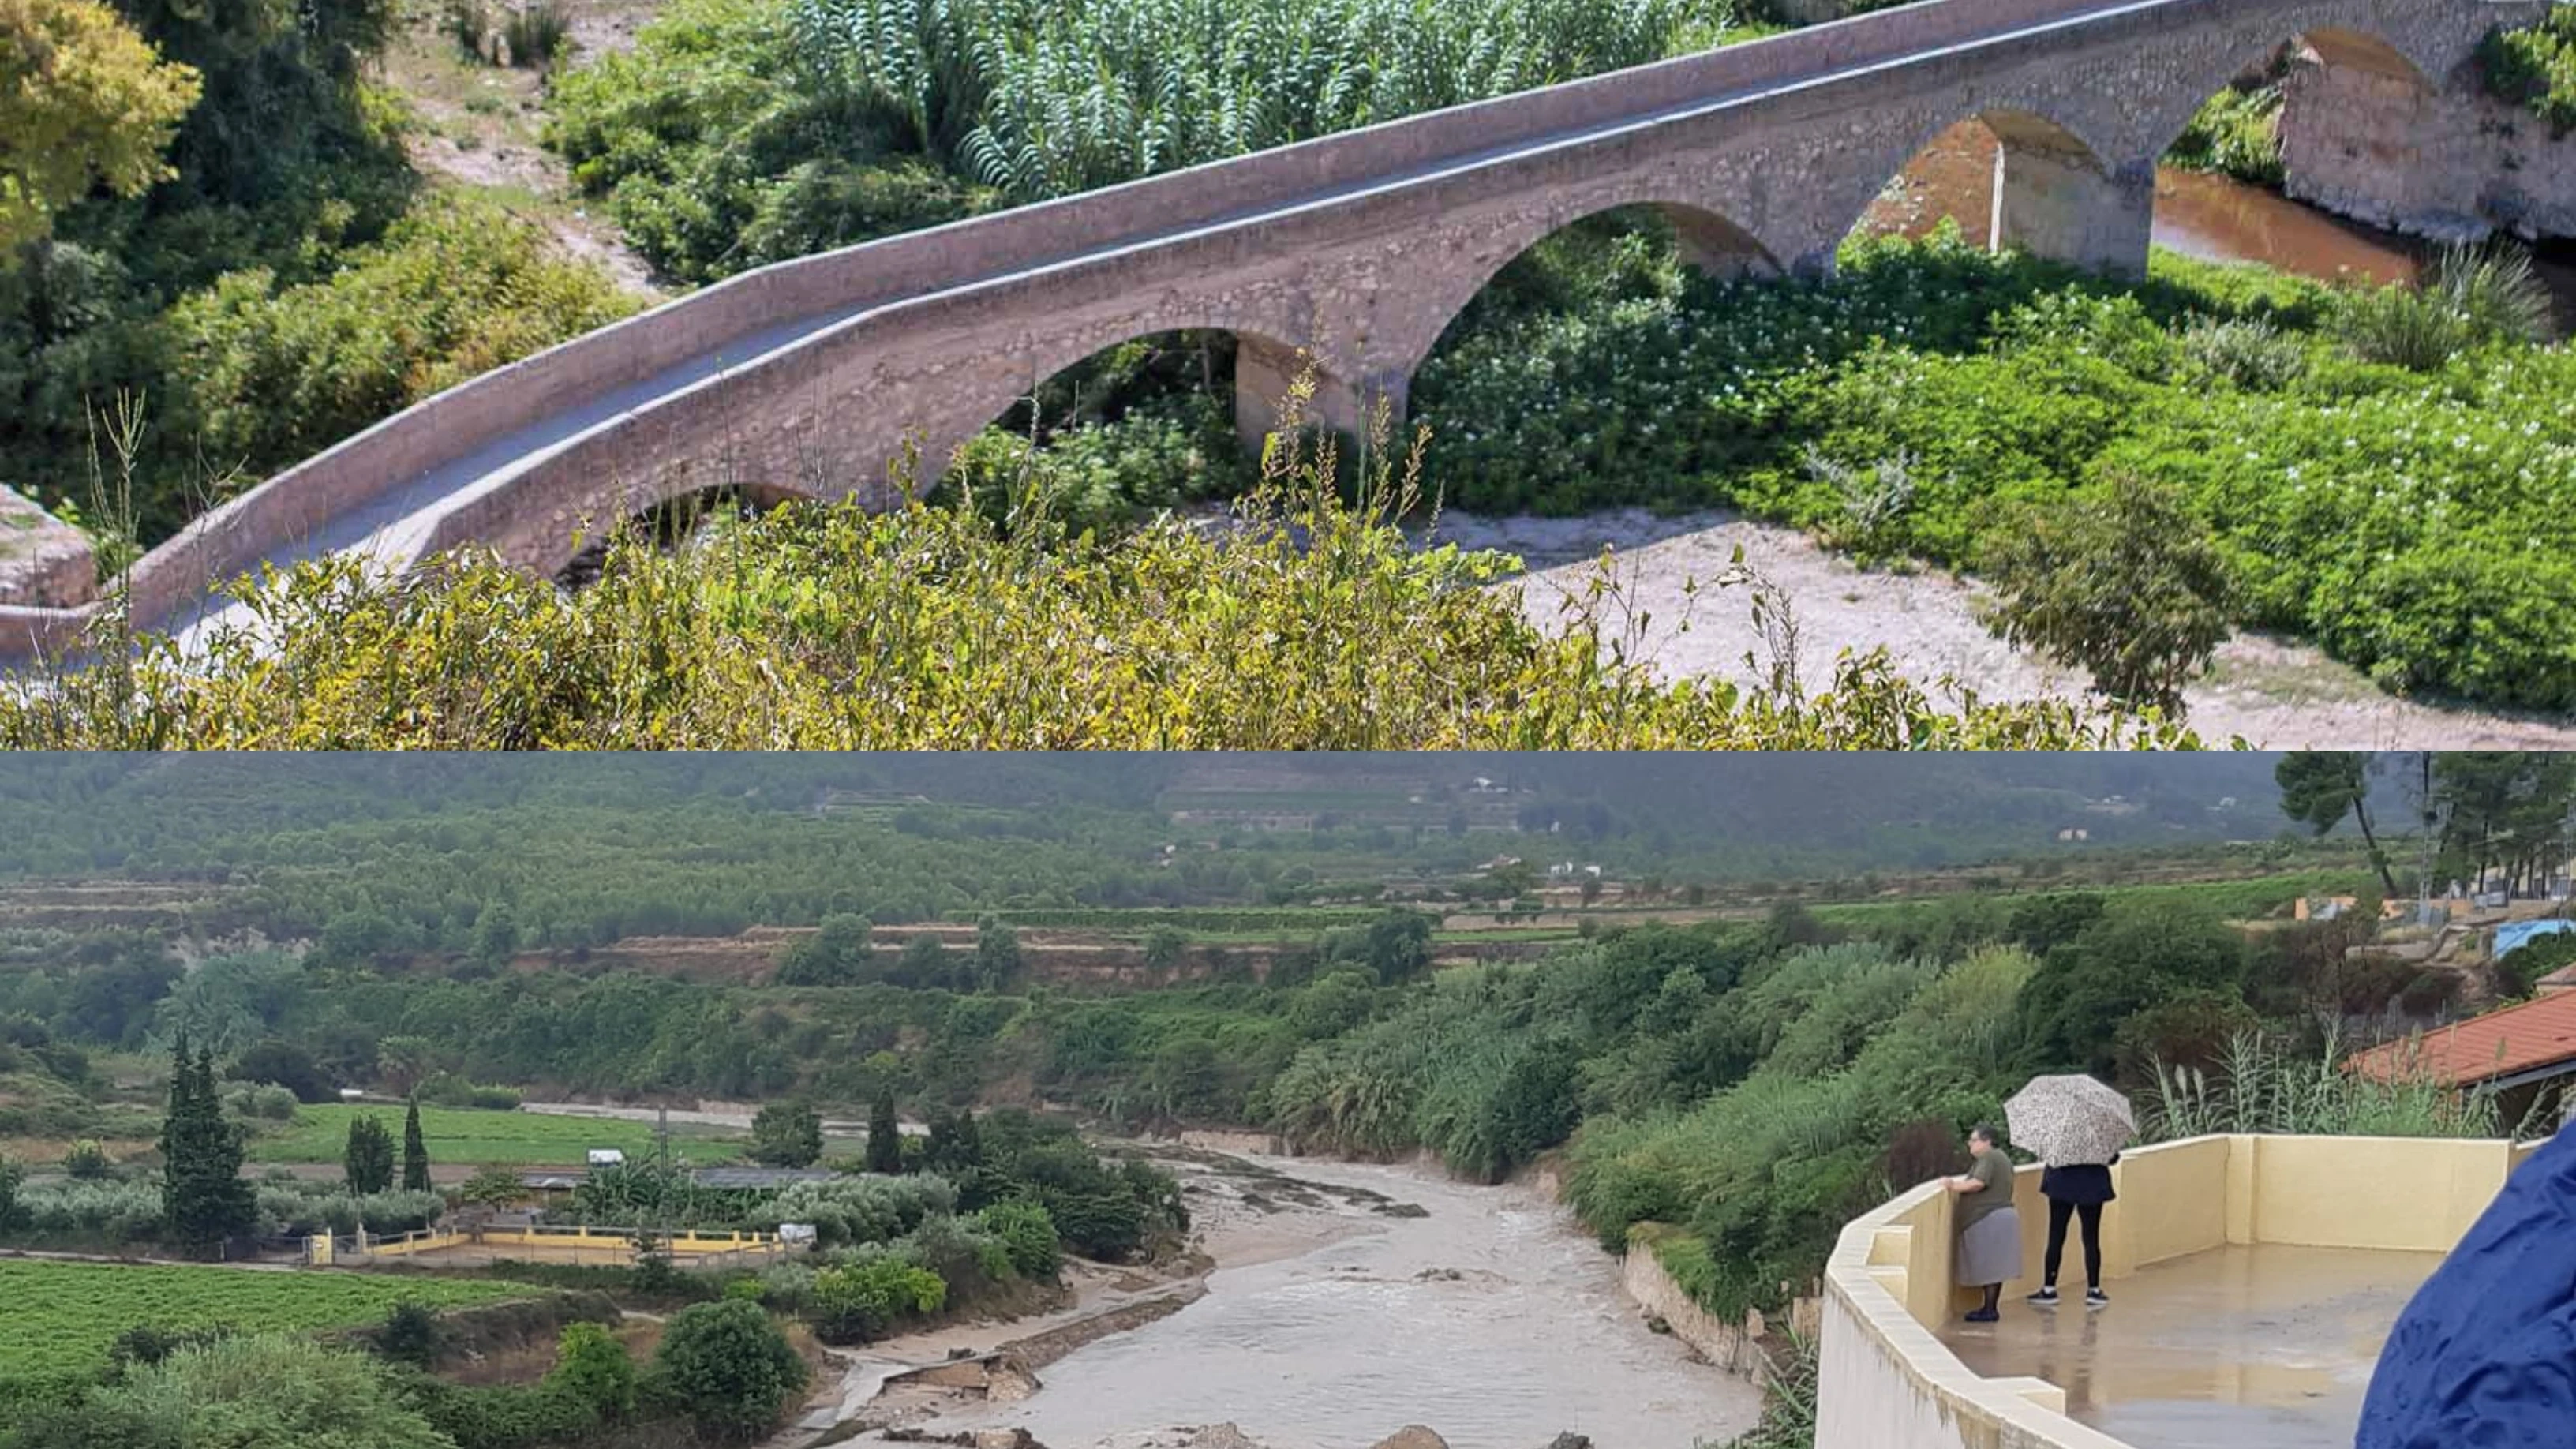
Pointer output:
x,y
2045,1298
1983,1315
2096,1298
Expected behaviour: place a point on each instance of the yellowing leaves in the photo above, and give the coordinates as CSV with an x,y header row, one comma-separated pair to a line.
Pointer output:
x,y
84,103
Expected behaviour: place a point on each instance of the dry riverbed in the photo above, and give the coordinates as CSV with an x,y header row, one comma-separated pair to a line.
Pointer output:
x,y
2272,693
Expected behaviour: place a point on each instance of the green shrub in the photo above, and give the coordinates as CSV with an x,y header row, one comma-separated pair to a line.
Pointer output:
x,y
727,1368
86,1162
2131,588
2535,66
455,289
1027,1235
2238,133
535,33
592,1366
860,1302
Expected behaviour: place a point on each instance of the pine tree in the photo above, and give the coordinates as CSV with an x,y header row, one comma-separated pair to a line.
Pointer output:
x,y
368,1161
885,1146
415,1153
203,1197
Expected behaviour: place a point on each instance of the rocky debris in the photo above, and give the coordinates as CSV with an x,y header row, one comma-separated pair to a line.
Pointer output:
x,y
1445,1275
44,562
1412,1436
978,1439
1569,1441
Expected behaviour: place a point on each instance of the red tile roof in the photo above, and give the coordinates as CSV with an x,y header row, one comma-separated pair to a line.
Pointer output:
x,y
2538,1033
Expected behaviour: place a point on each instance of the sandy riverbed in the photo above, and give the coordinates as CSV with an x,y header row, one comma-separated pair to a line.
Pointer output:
x,y
2274,694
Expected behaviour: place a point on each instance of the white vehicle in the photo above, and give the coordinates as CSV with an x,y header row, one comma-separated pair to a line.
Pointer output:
x,y
606,1157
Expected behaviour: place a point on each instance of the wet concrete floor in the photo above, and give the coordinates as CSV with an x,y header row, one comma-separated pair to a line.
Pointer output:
x,y
2266,1345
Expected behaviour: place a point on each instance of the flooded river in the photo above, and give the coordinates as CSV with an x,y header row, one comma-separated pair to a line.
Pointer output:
x,y
2213,217
1492,1318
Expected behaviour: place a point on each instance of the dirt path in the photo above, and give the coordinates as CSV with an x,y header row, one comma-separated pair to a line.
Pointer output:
x,y
2274,694
478,125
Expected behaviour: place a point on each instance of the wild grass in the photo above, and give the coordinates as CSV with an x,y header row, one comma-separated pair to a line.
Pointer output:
x,y
2263,1085
2468,298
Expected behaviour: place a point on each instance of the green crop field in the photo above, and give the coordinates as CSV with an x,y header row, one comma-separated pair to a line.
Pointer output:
x,y
60,1318
468,1135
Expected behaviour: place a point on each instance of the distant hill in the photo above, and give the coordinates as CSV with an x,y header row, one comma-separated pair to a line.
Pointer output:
x,y
92,814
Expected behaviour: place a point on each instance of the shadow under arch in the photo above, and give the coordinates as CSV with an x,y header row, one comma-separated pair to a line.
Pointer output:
x,y
671,523
2012,178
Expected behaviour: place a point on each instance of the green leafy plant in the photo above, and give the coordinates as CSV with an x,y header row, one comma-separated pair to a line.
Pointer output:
x,y
2131,588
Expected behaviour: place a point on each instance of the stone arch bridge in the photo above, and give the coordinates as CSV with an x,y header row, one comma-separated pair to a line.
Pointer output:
x,y
809,377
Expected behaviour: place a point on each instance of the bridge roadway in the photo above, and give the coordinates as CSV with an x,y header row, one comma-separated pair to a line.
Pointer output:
x,y
813,377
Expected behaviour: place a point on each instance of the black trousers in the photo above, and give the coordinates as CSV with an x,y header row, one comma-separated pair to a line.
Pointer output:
x,y
2091,1213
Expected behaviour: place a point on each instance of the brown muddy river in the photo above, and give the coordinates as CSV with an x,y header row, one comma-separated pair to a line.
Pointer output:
x,y
2213,217
1493,1318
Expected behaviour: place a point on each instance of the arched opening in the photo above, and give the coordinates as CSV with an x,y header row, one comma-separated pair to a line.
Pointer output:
x,y
1597,337
673,525
1160,421
2011,179
2246,162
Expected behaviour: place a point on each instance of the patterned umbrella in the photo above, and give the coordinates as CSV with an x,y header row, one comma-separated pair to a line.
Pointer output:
x,y
2068,1120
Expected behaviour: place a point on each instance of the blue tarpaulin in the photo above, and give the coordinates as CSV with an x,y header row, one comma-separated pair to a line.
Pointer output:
x,y
2485,1355
2515,934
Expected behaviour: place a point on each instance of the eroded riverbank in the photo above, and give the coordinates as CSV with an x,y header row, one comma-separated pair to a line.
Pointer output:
x,y
1344,1302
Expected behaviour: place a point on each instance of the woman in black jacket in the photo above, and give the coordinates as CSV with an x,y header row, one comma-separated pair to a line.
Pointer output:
x,y
2076,1191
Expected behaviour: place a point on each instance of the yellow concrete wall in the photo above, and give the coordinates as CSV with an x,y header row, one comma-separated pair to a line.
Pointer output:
x,y
2392,1193
2169,1200
2523,1152
1888,1382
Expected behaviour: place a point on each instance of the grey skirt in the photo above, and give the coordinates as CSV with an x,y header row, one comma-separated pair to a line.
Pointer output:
x,y
1990,1250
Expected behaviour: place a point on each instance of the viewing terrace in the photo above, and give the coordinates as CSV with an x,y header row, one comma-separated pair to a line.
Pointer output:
x,y
2252,1281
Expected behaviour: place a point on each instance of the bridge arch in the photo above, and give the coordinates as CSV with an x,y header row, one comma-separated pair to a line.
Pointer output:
x,y
1707,237
2419,63
1271,351
2014,175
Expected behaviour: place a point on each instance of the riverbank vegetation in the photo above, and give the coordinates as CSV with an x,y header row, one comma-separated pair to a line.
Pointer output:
x,y
2535,65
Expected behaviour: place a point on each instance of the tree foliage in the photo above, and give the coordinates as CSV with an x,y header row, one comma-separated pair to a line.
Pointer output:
x,y
84,104
786,1134
368,1162
728,1368
203,1197
2131,588
415,1152
885,1138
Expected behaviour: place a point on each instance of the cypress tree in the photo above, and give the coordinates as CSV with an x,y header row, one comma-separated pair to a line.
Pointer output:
x,y
203,1197
415,1153
885,1144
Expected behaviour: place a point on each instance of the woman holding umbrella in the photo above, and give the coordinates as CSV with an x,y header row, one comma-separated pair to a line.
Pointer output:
x,y
2076,1126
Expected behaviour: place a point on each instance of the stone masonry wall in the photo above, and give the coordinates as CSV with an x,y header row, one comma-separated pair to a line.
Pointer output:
x,y
44,562
2450,165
